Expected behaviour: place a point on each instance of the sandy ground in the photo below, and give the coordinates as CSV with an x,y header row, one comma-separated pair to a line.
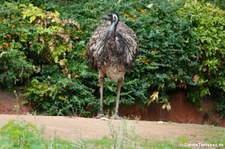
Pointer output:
x,y
90,128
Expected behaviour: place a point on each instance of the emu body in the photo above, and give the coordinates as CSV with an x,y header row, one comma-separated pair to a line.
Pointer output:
x,y
111,50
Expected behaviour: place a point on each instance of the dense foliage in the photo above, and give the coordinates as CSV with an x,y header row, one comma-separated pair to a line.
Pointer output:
x,y
30,37
209,30
181,46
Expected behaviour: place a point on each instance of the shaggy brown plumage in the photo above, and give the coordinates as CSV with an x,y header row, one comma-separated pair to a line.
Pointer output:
x,y
111,50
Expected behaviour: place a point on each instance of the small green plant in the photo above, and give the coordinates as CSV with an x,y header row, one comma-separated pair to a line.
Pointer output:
x,y
21,134
17,106
123,136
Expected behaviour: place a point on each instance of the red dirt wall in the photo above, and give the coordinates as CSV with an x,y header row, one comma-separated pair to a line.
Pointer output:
x,y
182,111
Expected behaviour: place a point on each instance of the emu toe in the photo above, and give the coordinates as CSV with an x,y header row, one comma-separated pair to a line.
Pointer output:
x,y
116,117
100,116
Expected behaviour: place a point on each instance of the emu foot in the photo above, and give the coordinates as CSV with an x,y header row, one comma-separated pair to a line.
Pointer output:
x,y
116,117
100,115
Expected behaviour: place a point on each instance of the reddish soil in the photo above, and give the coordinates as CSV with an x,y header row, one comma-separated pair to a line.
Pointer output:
x,y
10,105
182,111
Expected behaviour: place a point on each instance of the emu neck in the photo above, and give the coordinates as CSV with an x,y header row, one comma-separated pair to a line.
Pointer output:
x,y
112,30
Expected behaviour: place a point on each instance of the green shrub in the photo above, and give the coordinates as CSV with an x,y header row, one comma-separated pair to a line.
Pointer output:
x,y
208,28
29,37
220,106
167,48
60,95
14,68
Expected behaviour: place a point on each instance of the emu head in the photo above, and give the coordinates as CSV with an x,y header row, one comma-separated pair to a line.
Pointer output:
x,y
114,19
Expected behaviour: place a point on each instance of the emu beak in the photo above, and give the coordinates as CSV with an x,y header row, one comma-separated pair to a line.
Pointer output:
x,y
106,17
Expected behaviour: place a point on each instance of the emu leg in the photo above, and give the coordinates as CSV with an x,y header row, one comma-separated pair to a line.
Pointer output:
x,y
101,82
119,85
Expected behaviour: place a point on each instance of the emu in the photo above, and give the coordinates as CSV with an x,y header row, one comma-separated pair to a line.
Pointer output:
x,y
111,50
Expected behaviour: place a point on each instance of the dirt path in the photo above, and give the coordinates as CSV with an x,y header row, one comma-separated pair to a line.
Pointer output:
x,y
89,128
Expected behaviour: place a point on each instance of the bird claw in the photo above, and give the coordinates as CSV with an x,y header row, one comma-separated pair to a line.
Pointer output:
x,y
100,116
116,117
